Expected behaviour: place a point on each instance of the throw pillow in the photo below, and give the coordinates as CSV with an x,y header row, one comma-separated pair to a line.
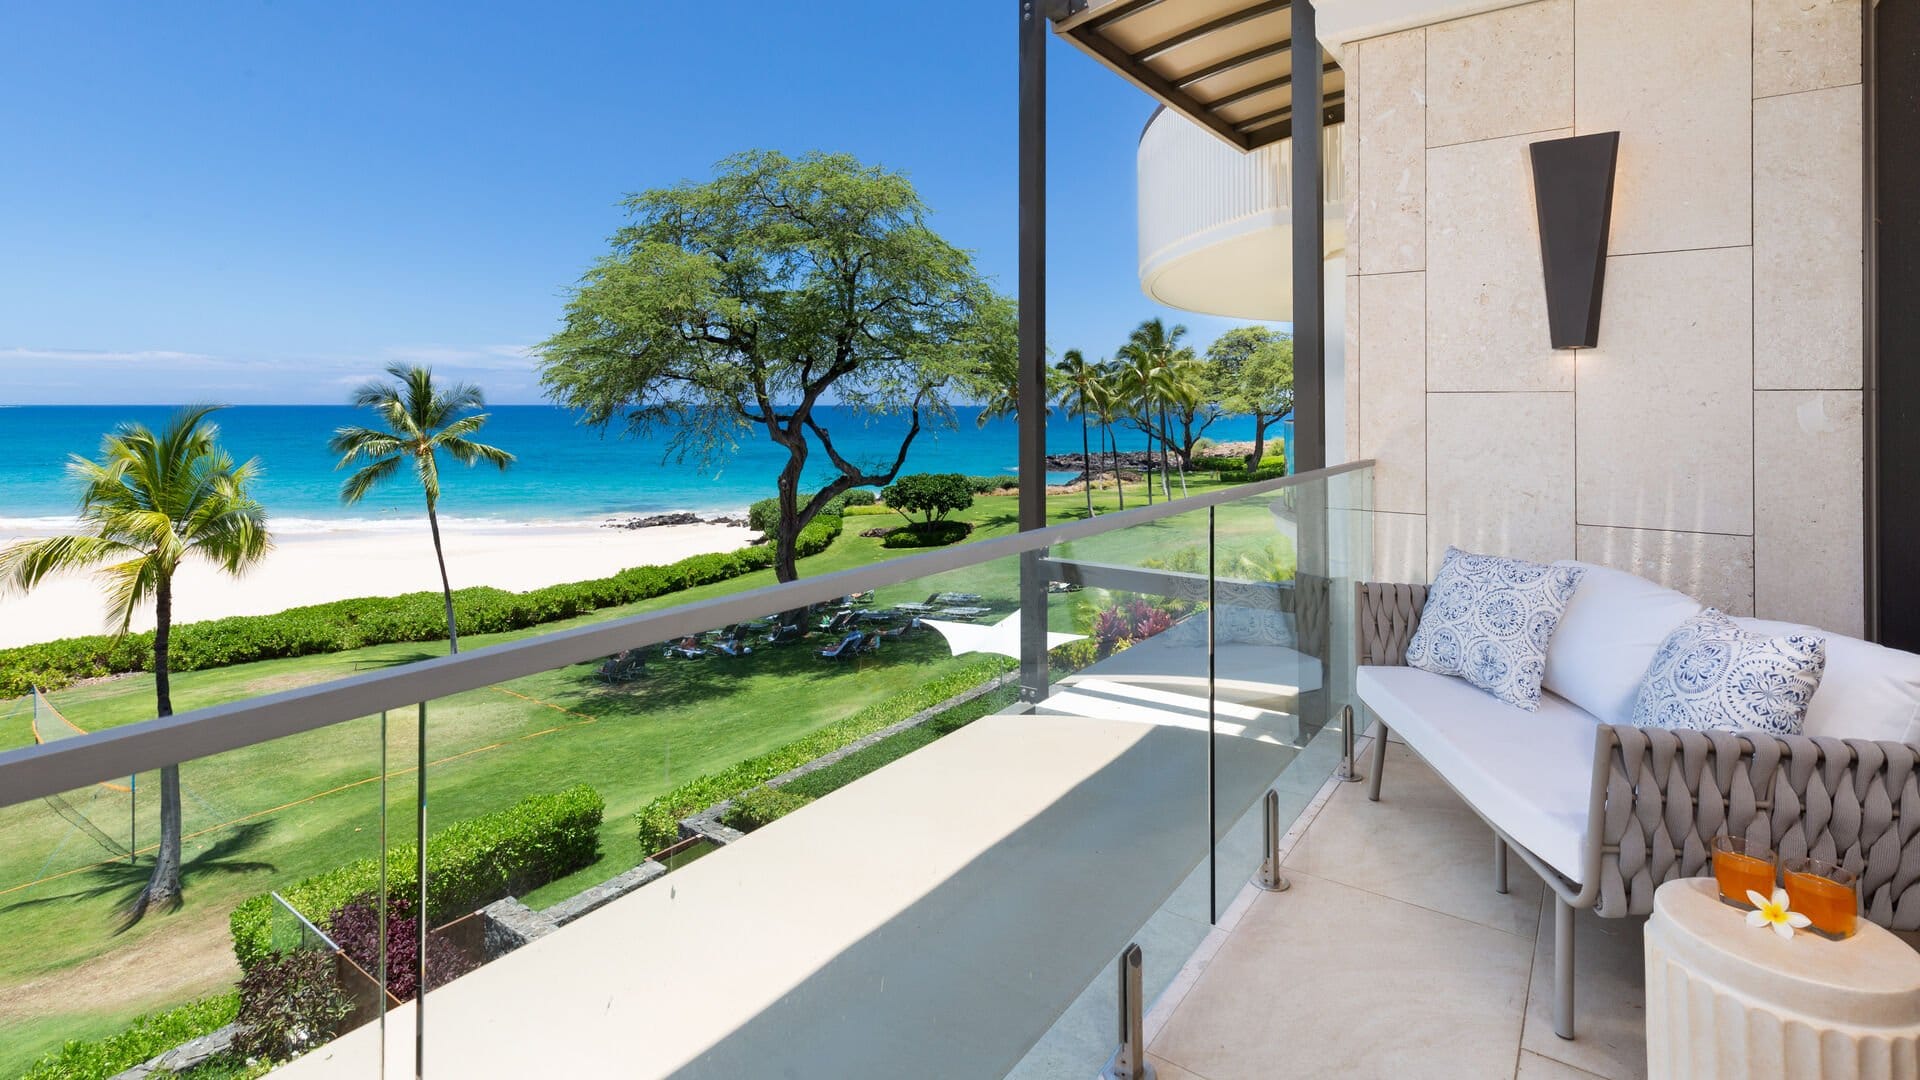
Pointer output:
x,y
1249,614
1712,675
1488,620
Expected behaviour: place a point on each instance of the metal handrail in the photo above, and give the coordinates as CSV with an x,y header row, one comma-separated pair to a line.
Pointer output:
x,y
38,771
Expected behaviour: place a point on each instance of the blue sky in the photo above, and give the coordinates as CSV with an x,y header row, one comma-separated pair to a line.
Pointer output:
x,y
266,202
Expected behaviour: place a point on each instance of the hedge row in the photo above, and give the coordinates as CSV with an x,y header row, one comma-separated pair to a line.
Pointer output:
x,y
659,820
145,1038
764,514
378,620
470,864
1242,476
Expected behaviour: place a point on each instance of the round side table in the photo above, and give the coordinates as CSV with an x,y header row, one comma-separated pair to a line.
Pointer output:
x,y
1725,999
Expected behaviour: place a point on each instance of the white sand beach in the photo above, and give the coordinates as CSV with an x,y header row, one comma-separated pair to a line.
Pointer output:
x,y
313,567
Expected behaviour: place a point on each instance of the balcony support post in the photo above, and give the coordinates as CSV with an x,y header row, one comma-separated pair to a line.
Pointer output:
x,y
1309,250
1033,342
1130,1060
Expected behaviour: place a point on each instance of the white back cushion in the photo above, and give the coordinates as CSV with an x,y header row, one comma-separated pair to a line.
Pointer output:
x,y
1868,692
1607,636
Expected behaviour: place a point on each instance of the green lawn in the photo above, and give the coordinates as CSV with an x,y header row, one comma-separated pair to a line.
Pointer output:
x,y
266,816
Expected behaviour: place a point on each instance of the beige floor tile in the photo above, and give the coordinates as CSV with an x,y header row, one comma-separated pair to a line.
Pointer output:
x,y
1329,980
1419,844
1167,1070
1609,997
1535,1067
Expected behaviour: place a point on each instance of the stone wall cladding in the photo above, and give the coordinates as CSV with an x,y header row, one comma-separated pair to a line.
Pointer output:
x,y
1713,437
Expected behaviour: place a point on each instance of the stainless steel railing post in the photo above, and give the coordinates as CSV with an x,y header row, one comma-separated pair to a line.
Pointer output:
x,y
1348,770
1270,877
1130,1060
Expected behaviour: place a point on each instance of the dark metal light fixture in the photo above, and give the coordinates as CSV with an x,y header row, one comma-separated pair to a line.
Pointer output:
x,y
1573,194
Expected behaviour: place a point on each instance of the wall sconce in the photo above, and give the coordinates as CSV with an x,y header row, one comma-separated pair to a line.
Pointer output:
x,y
1573,194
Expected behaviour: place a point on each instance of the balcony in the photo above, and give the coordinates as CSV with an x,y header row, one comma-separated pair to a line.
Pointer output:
x,y
1216,223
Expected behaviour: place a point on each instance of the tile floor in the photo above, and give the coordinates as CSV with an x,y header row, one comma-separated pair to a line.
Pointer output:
x,y
1392,956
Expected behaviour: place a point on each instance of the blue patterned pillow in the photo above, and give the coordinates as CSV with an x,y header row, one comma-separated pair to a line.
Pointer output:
x,y
1712,675
1488,621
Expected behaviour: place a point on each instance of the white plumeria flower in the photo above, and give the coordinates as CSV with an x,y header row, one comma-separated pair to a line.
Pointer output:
x,y
1772,911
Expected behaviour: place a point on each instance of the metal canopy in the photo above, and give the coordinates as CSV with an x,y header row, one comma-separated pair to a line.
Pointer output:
x,y
1225,64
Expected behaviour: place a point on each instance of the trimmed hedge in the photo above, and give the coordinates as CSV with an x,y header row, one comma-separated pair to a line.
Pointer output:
x,y
1242,476
378,620
146,1037
757,806
764,514
659,821
924,534
987,485
470,864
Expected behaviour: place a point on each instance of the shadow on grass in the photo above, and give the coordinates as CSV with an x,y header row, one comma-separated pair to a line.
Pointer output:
x,y
127,882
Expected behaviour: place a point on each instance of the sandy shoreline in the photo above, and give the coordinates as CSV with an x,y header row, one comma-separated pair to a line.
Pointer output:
x,y
313,567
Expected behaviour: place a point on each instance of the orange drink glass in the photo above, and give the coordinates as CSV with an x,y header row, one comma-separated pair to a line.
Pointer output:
x,y
1825,893
1740,864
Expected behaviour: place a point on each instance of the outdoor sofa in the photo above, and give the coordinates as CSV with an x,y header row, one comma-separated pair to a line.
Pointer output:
x,y
1604,811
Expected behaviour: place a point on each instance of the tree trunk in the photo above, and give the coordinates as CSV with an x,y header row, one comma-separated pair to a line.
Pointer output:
x,y
446,586
1119,485
1166,460
163,887
786,531
1086,463
1259,443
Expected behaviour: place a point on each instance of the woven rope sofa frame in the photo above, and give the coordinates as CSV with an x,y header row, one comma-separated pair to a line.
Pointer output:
x,y
1660,797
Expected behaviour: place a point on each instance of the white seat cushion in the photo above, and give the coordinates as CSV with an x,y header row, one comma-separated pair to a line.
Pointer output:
x,y
1530,774
1607,637
1868,691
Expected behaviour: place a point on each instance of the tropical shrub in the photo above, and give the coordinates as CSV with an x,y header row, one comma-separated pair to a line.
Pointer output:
x,y
659,821
377,620
470,864
288,1004
1240,475
987,485
757,806
922,534
867,511
355,927
146,1037
1121,625
763,515
932,495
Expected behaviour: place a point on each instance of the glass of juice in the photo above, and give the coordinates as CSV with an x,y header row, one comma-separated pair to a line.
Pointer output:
x,y
1826,893
1740,864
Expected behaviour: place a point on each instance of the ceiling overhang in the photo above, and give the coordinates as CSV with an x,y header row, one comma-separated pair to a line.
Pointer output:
x,y
1225,64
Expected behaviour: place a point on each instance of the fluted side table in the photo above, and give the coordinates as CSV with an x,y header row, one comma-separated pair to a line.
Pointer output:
x,y
1725,999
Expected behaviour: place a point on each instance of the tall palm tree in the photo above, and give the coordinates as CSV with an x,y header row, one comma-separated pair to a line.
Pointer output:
x,y
150,503
420,419
1079,383
1108,399
1150,353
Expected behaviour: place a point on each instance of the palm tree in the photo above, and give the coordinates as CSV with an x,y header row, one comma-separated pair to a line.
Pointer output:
x,y
1108,397
149,504
1151,352
420,419
1079,383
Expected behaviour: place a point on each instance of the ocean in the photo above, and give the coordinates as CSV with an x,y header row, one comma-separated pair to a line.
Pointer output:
x,y
565,472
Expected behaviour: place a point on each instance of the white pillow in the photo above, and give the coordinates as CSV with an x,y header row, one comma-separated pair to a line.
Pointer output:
x,y
1607,637
1868,692
1712,675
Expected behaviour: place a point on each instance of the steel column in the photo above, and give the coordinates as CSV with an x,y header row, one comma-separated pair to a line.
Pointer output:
x,y
1033,342
1309,250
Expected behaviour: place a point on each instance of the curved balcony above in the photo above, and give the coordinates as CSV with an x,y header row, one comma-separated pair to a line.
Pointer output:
x,y
1216,224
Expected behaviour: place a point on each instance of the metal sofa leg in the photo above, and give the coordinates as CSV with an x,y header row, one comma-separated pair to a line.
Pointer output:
x,y
1562,967
1379,763
1499,864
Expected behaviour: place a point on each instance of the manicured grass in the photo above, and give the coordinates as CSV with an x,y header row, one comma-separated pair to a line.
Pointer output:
x,y
269,815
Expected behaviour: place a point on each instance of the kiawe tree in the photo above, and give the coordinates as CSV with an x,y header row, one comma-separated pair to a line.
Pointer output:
x,y
420,420
148,505
1254,366
745,303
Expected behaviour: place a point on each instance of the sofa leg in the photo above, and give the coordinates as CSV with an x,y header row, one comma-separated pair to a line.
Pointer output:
x,y
1379,763
1562,967
1499,864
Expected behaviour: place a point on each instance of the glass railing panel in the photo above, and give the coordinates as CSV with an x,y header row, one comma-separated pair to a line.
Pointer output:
x,y
1287,562
112,958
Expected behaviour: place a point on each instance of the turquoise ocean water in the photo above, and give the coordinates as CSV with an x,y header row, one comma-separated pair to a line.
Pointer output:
x,y
566,472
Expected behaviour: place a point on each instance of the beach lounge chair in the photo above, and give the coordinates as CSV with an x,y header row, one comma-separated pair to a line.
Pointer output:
x,y
899,632
687,648
732,646
861,597
847,647
787,635
964,613
623,667
842,620
957,598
